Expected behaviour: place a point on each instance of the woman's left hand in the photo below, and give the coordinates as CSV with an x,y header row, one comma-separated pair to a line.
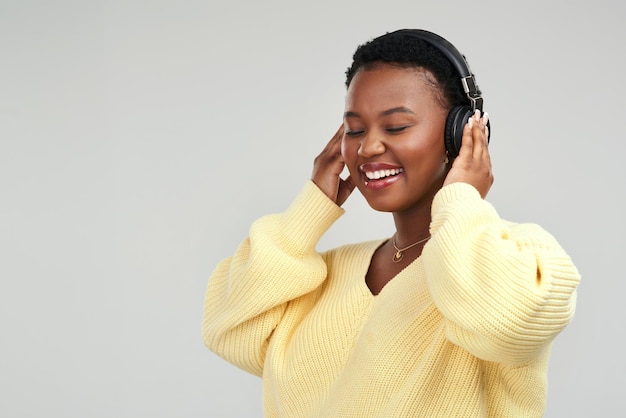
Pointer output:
x,y
473,164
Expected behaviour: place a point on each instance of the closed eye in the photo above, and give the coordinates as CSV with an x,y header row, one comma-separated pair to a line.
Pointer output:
x,y
396,130
353,133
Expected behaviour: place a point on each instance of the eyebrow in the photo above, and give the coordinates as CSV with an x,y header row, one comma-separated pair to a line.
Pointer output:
x,y
400,109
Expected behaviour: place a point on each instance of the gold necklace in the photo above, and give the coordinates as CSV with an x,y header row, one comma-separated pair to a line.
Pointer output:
x,y
398,255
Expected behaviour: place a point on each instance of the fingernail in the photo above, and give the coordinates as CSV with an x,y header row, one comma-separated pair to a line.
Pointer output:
x,y
477,115
470,122
486,118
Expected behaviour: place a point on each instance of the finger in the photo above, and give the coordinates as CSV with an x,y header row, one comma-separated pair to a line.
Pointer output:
x,y
486,157
478,136
345,189
338,135
485,120
467,143
339,132
336,139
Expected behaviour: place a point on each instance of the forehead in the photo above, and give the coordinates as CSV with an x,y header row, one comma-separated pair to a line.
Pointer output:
x,y
387,85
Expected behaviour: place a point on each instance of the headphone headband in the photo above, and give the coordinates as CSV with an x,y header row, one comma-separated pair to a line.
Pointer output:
x,y
458,61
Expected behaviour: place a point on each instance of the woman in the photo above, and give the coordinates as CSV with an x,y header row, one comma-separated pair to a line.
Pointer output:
x,y
452,316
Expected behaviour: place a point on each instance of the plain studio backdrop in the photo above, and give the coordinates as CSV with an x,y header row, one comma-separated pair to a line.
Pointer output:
x,y
139,140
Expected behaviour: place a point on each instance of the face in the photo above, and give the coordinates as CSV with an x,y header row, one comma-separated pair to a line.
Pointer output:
x,y
393,143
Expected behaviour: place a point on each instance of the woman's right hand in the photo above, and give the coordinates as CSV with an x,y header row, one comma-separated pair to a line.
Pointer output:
x,y
327,169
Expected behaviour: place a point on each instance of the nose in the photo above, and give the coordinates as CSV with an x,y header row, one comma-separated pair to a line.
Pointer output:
x,y
371,145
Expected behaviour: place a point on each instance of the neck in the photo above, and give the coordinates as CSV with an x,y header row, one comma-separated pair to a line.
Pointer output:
x,y
413,226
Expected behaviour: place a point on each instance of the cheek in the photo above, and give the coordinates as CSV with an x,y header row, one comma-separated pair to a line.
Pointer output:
x,y
420,150
429,144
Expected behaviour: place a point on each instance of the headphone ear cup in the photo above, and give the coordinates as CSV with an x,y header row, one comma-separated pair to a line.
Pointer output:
x,y
455,122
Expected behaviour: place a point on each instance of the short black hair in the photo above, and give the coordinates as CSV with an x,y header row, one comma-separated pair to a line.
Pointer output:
x,y
407,51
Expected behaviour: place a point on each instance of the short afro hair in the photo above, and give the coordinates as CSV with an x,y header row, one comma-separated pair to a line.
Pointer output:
x,y
402,50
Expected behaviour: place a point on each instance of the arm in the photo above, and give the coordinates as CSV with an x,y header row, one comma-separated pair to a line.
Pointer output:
x,y
505,290
248,293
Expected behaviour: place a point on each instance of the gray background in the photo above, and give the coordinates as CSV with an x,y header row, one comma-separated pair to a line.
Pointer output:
x,y
139,139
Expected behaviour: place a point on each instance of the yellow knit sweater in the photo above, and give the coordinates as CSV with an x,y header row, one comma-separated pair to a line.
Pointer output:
x,y
464,331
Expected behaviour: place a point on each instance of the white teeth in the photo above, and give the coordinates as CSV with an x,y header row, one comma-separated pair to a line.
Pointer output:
x,y
375,175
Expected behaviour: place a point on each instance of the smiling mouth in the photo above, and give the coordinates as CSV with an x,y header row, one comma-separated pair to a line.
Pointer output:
x,y
381,174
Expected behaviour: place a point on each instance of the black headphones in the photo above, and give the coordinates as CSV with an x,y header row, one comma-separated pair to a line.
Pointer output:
x,y
459,115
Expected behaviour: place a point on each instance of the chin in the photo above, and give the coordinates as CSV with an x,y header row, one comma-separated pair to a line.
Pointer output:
x,y
383,205
390,205
382,209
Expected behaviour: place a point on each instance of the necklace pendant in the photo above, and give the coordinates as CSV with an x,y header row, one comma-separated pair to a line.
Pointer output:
x,y
397,256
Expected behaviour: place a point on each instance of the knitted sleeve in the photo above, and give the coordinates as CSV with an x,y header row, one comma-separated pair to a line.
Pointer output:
x,y
505,290
248,293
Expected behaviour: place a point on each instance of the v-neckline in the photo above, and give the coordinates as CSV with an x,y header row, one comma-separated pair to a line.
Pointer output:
x,y
370,258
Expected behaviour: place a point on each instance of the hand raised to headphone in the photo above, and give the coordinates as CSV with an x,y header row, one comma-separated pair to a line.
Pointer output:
x,y
327,169
473,164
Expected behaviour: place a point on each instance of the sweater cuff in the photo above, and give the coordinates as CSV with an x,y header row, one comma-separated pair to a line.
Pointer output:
x,y
308,217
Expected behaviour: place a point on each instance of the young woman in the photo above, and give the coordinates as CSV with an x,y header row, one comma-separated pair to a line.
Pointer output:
x,y
452,316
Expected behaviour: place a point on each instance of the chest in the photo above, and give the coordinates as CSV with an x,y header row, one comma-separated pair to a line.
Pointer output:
x,y
349,328
384,267
346,309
